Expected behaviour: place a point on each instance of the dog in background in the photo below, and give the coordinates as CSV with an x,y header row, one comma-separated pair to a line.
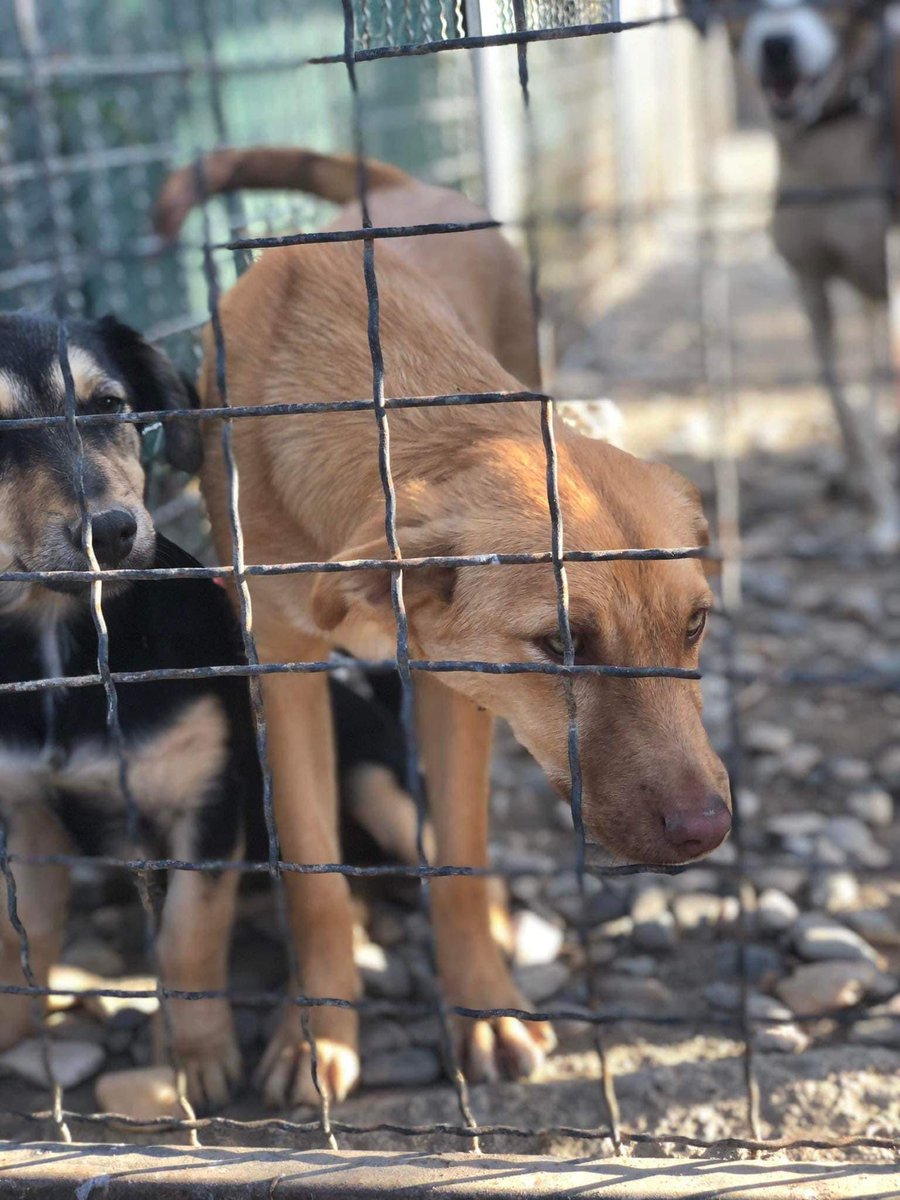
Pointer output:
x,y
455,317
822,71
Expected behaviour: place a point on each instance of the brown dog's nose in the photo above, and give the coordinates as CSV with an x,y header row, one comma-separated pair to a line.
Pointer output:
x,y
112,535
697,831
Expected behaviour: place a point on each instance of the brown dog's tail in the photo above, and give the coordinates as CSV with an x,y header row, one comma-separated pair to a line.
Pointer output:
x,y
334,177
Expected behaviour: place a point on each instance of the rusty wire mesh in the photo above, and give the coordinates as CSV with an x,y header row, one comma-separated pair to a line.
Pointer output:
x,y
366,40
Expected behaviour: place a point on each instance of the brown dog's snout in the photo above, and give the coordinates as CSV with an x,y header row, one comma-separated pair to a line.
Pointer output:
x,y
695,831
112,535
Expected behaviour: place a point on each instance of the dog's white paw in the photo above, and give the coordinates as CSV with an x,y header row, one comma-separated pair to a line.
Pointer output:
x,y
205,1047
502,1047
285,1073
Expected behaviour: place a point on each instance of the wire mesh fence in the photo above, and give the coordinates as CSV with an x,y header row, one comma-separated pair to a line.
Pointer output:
x,y
66,198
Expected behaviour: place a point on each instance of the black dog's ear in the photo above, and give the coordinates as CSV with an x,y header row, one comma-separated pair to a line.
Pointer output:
x,y
155,386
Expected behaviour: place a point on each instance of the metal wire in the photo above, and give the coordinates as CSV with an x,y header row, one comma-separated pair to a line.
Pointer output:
x,y
38,72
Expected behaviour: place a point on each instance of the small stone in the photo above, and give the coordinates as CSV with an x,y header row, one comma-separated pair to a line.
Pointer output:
x,y
695,910
93,955
795,825
851,771
760,1007
71,1062
106,1007
781,1039
873,805
817,937
888,767
65,982
824,852
860,602
412,1067
725,855
875,926
143,1094
632,994
764,738
650,902
775,912
656,934
695,879
834,891
789,880
74,1026
760,962
855,839
800,760
122,1030
536,941
382,975
539,983
748,804
876,1031
641,965
816,988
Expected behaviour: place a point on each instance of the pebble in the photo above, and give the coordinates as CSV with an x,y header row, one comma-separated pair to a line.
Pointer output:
x,y
695,910
695,879
71,1062
833,891
888,767
860,602
93,955
775,911
816,937
631,993
764,738
143,1093
748,803
70,981
759,1006
795,825
781,1039
382,975
657,933
539,983
640,965
536,941
412,1067
784,879
760,962
74,1026
849,770
106,1007
873,805
816,988
800,760
876,1031
855,838
875,926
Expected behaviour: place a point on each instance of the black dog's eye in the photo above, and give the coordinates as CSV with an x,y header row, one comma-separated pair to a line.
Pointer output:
x,y
552,645
697,624
106,402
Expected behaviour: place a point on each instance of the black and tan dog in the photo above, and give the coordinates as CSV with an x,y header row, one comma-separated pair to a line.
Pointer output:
x,y
192,770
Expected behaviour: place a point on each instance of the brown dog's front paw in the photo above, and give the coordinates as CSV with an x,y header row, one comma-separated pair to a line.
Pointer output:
x,y
205,1047
502,1047
285,1073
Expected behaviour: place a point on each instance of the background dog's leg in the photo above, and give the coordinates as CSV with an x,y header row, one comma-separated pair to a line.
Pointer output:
x,y
868,467
456,746
301,752
194,942
42,899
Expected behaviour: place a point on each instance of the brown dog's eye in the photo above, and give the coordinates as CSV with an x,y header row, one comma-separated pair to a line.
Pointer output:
x,y
552,645
697,624
106,402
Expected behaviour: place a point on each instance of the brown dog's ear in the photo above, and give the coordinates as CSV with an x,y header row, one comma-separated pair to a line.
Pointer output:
x,y
337,593
712,567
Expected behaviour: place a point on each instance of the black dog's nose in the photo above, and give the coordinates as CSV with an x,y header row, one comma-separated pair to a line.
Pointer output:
x,y
112,535
778,51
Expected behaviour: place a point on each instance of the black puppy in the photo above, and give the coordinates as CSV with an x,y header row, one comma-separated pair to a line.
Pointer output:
x,y
192,782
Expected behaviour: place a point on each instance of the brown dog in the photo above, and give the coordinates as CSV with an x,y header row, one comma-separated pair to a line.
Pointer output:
x,y
469,480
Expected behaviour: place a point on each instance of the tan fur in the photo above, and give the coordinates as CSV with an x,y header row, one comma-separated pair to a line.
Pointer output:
x,y
468,480
11,394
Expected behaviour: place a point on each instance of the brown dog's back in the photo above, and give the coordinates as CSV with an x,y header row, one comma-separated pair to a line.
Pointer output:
x,y
478,272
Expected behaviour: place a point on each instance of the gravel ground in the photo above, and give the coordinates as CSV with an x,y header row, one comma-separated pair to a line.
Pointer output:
x,y
819,781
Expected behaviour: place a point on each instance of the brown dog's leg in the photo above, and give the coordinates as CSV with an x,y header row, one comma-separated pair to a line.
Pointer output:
x,y
301,753
193,946
42,898
456,747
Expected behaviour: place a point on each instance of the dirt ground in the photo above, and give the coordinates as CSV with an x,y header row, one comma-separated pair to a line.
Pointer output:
x,y
639,347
